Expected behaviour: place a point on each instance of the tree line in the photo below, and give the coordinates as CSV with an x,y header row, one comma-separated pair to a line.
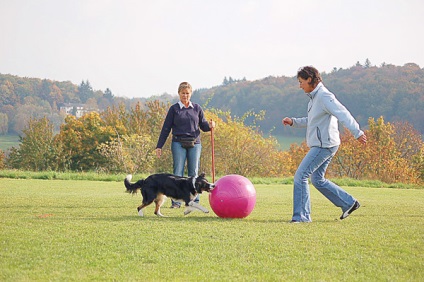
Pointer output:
x,y
23,98
394,92
123,141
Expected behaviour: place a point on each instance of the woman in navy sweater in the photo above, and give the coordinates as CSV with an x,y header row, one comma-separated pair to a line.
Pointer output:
x,y
185,119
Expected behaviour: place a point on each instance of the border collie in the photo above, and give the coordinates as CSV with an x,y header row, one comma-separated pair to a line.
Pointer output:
x,y
157,187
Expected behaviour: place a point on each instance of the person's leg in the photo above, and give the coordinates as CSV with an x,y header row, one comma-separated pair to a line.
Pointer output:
x,y
179,155
193,160
330,190
193,163
313,160
301,196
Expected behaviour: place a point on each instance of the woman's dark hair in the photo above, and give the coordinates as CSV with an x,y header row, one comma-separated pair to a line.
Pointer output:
x,y
309,72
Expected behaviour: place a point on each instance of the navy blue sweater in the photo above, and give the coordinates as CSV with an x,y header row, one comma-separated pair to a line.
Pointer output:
x,y
185,122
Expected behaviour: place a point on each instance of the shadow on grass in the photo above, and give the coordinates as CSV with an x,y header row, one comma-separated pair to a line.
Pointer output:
x,y
198,219
153,218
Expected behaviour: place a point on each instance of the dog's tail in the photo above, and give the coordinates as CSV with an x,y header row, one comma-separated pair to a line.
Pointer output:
x,y
132,188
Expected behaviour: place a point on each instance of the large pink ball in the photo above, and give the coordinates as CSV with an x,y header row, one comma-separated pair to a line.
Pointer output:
x,y
233,197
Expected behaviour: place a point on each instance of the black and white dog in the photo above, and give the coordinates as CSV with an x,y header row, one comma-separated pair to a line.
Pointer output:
x,y
157,187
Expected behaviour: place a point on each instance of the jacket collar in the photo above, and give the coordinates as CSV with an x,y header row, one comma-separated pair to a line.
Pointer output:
x,y
314,92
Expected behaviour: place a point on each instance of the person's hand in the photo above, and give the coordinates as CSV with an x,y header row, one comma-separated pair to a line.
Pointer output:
x,y
287,121
362,139
212,124
158,152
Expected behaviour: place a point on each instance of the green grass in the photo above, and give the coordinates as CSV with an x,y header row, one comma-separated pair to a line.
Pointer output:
x,y
89,230
7,141
52,175
95,176
286,141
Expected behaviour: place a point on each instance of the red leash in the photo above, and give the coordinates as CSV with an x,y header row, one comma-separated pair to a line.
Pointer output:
x,y
213,156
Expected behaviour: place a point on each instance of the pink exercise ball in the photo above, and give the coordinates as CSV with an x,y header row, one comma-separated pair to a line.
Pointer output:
x,y
233,197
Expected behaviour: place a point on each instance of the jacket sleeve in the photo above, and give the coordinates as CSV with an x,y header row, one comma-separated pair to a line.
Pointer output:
x,y
334,107
203,123
300,122
166,128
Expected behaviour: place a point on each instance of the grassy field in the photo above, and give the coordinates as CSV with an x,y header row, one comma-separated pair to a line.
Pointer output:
x,y
286,141
89,230
7,141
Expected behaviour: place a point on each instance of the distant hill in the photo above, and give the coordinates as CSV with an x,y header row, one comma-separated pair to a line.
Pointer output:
x,y
22,98
395,92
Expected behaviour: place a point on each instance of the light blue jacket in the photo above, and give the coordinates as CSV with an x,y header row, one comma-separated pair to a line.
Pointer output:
x,y
324,112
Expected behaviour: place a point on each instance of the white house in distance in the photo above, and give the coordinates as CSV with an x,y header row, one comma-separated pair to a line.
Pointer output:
x,y
77,110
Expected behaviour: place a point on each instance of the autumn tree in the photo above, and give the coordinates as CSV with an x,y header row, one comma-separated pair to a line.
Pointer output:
x,y
129,154
408,140
8,95
36,151
2,159
295,155
385,157
108,95
121,140
30,109
85,91
241,149
80,139
4,124
137,131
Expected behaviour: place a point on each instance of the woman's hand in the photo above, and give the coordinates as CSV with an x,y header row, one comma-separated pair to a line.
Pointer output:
x,y
212,124
158,152
362,139
287,121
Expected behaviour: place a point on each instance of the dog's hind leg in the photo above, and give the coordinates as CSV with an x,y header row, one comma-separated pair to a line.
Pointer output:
x,y
140,212
140,208
160,199
197,206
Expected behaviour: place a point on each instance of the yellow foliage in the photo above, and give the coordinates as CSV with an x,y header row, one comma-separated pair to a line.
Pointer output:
x,y
2,159
241,150
120,140
381,158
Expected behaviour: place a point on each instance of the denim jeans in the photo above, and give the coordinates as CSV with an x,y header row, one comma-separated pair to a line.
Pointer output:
x,y
180,155
314,165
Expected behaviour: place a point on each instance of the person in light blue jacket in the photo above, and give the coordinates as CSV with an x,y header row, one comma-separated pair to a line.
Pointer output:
x,y
323,139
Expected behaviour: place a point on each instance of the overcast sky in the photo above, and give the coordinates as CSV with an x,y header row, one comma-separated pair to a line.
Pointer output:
x,y
140,48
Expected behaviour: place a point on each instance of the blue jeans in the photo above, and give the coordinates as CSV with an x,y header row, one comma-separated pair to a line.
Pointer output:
x,y
314,165
180,155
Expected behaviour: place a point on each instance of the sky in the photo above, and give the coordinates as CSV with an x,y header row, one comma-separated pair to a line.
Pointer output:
x,y
142,48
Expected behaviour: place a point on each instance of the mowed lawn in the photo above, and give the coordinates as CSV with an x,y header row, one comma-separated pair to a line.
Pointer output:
x,y
55,230
8,141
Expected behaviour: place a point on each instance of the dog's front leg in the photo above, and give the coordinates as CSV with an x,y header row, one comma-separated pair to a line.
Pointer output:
x,y
197,206
188,210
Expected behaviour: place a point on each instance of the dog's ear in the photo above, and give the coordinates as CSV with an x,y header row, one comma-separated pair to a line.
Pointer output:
x,y
202,174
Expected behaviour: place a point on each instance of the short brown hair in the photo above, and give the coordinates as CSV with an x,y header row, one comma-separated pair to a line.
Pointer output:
x,y
184,85
309,72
